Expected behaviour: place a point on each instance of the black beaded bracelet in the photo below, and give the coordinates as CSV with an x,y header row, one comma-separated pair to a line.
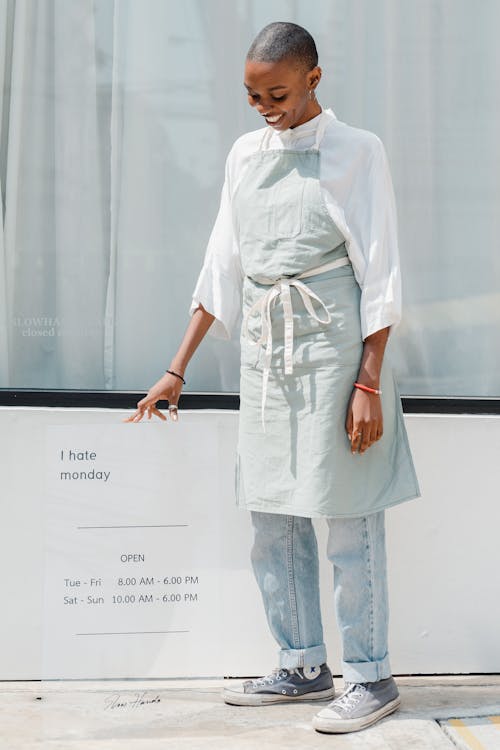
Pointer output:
x,y
171,372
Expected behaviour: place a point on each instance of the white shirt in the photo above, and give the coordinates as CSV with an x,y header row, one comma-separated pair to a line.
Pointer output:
x,y
357,187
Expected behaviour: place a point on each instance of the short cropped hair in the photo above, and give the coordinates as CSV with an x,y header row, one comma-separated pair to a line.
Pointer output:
x,y
282,40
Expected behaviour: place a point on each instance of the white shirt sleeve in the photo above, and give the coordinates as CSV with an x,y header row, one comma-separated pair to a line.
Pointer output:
x,y
219,285
372,220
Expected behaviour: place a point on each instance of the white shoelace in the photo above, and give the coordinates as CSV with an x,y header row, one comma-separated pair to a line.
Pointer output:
x,y
351,697
276,674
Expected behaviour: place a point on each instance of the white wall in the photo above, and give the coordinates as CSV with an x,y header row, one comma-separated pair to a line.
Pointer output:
x,y
444,550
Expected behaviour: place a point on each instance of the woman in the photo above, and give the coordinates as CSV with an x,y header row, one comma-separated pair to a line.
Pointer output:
x,y
305,246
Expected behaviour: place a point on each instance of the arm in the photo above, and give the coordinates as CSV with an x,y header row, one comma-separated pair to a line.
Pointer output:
x,y
169,387
374,222
218,289
364,423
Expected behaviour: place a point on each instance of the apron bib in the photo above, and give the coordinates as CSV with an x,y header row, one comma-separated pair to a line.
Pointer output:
x,y
301,347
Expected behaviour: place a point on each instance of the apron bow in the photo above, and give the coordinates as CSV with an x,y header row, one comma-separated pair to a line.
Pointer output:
x,y
280,291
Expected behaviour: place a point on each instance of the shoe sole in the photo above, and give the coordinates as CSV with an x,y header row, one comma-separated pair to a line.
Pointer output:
x,y
337,726
265,699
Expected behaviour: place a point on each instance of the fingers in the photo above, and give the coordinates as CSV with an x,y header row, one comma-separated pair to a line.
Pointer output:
x,y
364,421
363,434
348,423
138,415
153,410
173,412
354,432
168,388
356,438
150,410
363,437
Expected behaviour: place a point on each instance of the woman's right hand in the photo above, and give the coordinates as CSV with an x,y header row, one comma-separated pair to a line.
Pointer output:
x,y
169,388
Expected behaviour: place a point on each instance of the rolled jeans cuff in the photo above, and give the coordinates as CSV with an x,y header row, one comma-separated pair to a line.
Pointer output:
x,y
366,671
302,657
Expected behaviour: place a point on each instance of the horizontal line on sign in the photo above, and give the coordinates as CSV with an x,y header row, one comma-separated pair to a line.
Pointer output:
x,y
151,526
137,632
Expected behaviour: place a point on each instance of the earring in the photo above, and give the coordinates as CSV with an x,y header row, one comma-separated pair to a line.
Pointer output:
x,y
311,94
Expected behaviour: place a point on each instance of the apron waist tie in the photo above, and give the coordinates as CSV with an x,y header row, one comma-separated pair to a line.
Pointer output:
x,y
280,291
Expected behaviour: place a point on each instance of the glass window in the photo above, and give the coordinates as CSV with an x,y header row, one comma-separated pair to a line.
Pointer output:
x,y
115,121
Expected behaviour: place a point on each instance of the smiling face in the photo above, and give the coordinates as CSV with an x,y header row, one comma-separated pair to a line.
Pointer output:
x,y
279,91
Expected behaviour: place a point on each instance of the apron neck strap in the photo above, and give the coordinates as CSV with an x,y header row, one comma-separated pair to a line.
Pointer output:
x,y
320,131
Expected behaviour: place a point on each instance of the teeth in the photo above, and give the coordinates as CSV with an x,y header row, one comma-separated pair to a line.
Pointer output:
x,y
273,119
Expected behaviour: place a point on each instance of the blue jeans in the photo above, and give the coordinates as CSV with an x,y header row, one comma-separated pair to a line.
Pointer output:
x,y
285,563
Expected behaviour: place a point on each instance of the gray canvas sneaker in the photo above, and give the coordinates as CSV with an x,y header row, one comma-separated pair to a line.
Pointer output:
x,y
282,686
359,706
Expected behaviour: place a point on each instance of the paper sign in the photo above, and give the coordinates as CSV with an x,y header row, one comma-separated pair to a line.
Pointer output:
x,y
133,564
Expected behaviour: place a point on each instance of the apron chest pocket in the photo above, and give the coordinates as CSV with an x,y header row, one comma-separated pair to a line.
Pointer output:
x,y
287,202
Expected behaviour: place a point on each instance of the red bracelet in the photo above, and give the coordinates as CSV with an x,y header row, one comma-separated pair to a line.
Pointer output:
x,y
367,388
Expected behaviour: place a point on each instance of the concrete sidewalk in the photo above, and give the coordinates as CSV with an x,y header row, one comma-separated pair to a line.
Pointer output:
x,y
189,715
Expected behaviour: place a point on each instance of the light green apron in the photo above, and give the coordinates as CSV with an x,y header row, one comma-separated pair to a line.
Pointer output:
x,y
301,347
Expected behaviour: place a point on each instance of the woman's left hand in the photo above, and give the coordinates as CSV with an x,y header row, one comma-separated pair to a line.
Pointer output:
x,y
364,423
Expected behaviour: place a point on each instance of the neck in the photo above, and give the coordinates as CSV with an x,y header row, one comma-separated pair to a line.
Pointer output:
x,y
309,114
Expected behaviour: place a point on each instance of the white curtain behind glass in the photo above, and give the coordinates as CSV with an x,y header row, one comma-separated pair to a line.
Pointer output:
x,y
55,248
116,120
